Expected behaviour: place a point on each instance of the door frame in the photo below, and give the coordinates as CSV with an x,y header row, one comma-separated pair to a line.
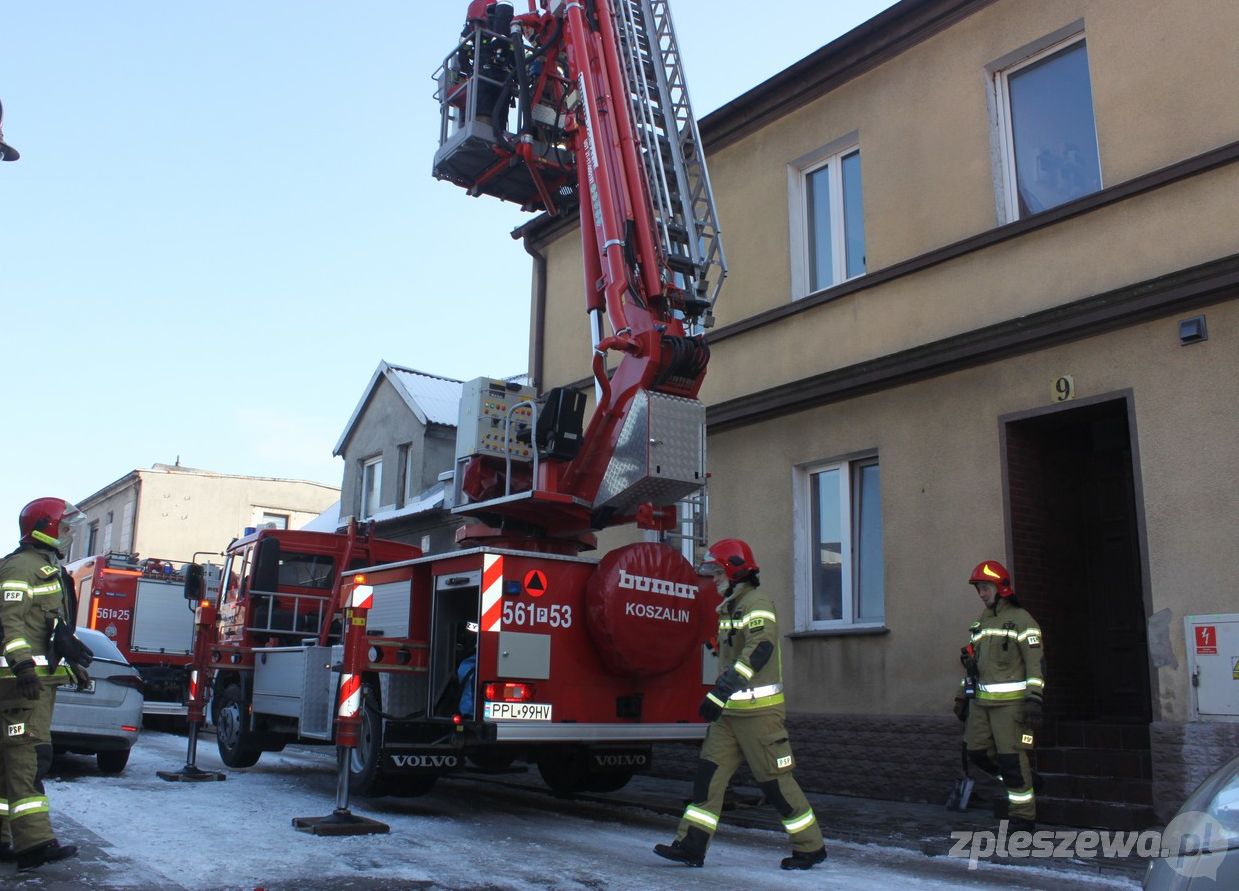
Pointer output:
x,y
1126,396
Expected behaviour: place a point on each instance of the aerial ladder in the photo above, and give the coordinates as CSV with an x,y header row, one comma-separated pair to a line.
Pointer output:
x,y
586,103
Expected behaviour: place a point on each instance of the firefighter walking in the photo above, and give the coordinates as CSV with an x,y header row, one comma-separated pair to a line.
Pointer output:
x,y
35,636
1000,697
746,712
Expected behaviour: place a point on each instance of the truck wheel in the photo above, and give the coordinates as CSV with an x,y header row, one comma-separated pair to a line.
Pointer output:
x,y
113,761
364,767
608,780
566,772
237,744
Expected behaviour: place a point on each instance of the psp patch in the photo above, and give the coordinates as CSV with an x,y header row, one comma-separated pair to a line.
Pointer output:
x,y
757,623
48,571
12,596
1034,640
16,729
784,761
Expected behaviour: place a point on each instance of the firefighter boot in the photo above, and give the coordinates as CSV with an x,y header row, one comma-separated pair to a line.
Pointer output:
x,y
690,850
6,853
48,852
804,859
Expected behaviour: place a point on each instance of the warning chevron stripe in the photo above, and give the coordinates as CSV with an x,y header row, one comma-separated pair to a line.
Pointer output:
x,y
492,591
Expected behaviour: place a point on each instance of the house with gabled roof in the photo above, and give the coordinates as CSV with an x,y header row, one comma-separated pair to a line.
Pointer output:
x,y
397,443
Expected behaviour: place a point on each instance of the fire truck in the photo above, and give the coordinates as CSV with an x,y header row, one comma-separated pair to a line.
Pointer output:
x,y
521,643
137,602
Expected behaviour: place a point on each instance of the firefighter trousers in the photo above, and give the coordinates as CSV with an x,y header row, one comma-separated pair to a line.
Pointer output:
x,y
761,742
999,743
25,758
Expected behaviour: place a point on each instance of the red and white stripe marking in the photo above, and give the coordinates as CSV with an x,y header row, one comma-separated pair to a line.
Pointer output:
x,y
363,597
350,695
492,592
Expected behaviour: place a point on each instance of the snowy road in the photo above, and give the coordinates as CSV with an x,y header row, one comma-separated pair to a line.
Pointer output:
x,y
139,832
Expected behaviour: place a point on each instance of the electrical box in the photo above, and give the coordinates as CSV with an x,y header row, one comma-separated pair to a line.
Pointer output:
x,y
1213,664
492,421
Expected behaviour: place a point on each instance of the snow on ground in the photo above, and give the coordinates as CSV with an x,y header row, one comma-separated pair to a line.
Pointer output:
x,y
465,835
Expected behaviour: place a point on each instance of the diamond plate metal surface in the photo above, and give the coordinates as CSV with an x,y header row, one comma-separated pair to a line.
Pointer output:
x,y
660,453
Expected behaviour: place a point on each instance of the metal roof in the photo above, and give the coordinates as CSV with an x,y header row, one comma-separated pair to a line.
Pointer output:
x,y
431,398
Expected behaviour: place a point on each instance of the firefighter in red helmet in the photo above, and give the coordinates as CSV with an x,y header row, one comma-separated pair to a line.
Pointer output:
x,y
746,715
40,652
1000,697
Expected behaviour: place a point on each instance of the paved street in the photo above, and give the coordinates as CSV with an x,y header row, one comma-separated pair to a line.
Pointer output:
x,y
138,832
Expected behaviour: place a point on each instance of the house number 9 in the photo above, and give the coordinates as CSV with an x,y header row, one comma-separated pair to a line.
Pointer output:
x,y
1064,388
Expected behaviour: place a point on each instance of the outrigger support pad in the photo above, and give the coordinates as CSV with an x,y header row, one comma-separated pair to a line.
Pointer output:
x,y
341,821
190,774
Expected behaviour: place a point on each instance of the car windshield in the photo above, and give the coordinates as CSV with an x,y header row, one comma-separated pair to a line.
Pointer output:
x,y
1225,808
99,644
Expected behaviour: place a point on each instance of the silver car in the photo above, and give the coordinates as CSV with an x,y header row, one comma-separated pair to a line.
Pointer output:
x,y
1200,846
104,718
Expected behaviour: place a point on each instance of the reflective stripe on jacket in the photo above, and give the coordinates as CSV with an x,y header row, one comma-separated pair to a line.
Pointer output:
x,y
1010,659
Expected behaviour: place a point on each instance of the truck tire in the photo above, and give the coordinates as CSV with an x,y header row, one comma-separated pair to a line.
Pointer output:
x,y
565,770
238,745
365,776
113,761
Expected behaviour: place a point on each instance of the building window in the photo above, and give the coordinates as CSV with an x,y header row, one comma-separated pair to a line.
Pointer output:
x,y
92,540
839,553
1047,132
828,221
371,482
107,532
407,483
273,521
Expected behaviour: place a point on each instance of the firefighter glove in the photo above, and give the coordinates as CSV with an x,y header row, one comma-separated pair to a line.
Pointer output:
x,y
69,648
27,679
1032,713
728,682
961,708
711,707
81,675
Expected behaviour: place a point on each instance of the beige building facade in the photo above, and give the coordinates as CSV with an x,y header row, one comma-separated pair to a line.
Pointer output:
x,y
171,512
982,304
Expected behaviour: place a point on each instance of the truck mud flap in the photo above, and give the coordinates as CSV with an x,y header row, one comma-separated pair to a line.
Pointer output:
x,y
634,759
422,761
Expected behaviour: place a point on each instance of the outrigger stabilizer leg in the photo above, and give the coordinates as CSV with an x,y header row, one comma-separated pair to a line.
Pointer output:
x,y
341,821
196,710
190,773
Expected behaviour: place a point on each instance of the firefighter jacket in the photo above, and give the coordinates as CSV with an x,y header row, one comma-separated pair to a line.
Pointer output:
x,y
748,642
32,599
1007,646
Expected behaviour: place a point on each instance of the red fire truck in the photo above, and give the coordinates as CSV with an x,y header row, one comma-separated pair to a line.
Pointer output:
x,y
137,603
521,644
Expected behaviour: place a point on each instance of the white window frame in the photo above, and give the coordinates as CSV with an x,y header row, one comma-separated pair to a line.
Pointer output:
x,y
408,477
1000,73
828,156
366,510
804,549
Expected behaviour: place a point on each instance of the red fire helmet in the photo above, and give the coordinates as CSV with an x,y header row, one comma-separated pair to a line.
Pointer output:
x,y
49,521
995,573
734,556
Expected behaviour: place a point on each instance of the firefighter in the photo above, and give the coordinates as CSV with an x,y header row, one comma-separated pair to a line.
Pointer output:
x,y
745,711
1000,697
35,635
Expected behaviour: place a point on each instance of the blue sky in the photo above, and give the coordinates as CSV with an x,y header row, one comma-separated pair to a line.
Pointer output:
x,y
224,217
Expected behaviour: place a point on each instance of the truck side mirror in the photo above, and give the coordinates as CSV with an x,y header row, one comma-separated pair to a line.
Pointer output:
x,y
194,581
266,575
